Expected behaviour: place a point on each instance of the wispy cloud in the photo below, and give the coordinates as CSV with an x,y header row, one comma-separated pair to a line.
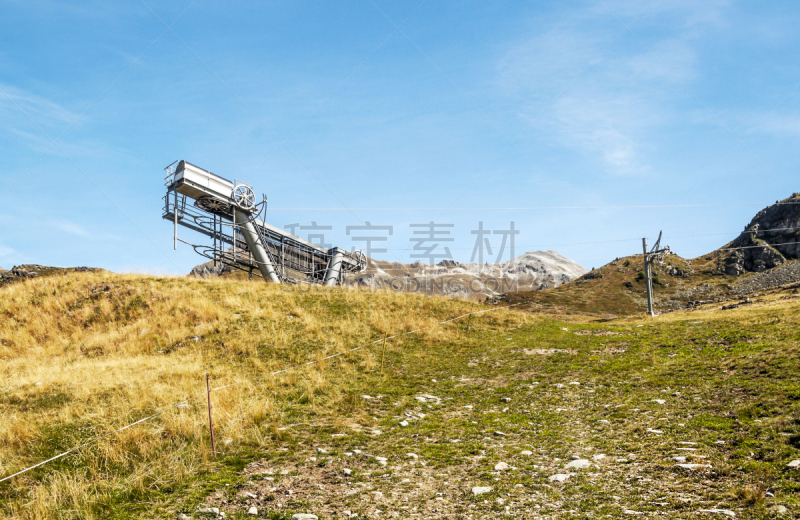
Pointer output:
x,y
616,109
6,252
72,228
34,105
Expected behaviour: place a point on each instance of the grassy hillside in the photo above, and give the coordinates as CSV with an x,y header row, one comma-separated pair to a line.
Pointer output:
x,y
618,288
85,353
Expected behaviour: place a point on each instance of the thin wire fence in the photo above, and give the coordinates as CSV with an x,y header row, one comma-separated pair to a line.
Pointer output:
x,y
271,374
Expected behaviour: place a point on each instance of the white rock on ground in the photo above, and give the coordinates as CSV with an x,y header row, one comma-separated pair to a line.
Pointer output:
x,y
780,509
501,466
599,456
794,464
411,455
726,512
304,516
253,511
480,490
505,399
659,401
527,453
579,464
347,471
694,466
404,423
559,477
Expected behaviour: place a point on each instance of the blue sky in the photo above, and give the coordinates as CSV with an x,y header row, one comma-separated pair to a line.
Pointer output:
x,y
339,110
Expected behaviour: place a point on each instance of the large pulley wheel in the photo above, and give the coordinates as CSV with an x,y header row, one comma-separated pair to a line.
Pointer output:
x,y
213,205
244,196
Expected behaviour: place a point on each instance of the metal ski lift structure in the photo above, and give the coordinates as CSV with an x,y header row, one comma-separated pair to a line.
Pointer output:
x,y
228,214
656,254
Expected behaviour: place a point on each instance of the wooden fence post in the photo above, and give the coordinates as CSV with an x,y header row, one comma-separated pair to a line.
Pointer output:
x,y
210,420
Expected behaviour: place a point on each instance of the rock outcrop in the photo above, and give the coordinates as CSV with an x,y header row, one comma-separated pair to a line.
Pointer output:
x,y
769,240
783,275
208,270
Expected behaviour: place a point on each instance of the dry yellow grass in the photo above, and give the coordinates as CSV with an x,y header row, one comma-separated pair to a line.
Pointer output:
x,y
83,354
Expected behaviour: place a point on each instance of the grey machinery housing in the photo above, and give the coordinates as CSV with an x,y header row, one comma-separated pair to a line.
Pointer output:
x,y
227,213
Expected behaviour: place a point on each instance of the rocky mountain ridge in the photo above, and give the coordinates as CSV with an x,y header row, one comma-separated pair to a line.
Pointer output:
x,y
770,239
530,271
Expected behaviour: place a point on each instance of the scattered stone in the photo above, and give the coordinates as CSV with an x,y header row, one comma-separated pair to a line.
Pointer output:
x,y
679,459
366,397
481,490
579,464
377,494
726,512
304,516
250,495
598,457
499,434
404,423
651,430
559,477
501,466
527,453
631,512
253,511
794,464
781,510
659,401
184,517
208,510
322,451
468,407
347,471
411,455
505,399
421,399
381,460
574,383
603,421
692,467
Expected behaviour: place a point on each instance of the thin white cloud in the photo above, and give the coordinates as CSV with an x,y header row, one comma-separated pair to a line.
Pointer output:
x,y
618,106
6,251
34,105
72,228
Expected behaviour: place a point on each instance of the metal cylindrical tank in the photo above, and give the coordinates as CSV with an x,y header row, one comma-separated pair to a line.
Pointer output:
x,y
334,270
254,243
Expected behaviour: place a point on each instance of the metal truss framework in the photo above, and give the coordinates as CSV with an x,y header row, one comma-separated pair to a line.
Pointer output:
x,y
227,213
